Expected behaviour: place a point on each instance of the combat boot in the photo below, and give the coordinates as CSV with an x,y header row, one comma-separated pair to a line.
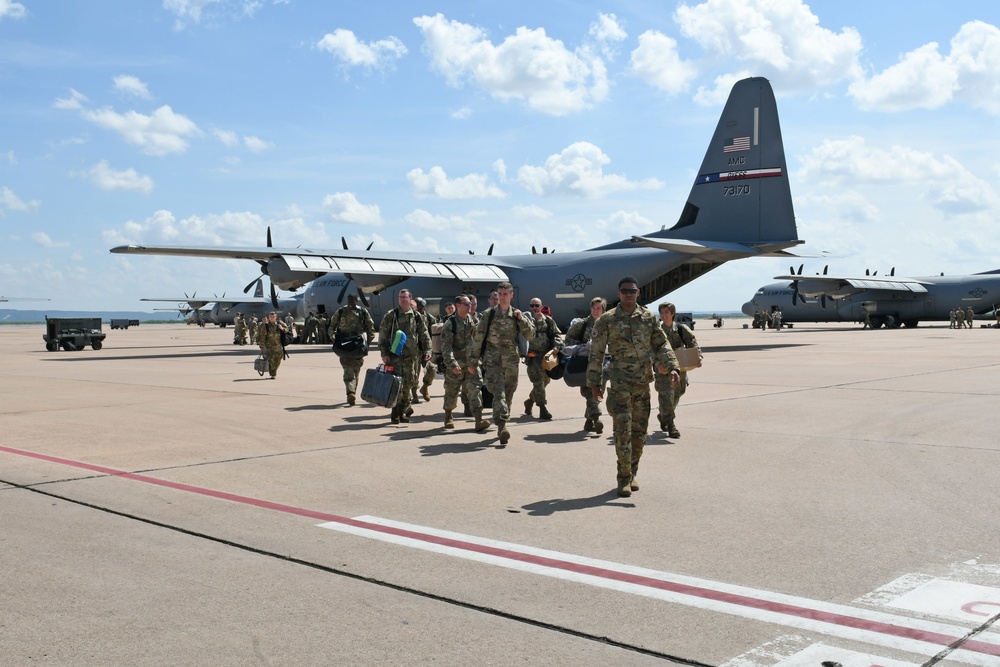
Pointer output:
x,y
350,399
528,404
633,484
395,416
448,421
588,425
409,411
413,397
671,429
404,418
543,412
625,486
598,425
425,393
502,431
663,422
481,424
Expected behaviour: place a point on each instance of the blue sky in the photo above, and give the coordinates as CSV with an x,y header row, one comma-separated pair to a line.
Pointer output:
x,y
449,126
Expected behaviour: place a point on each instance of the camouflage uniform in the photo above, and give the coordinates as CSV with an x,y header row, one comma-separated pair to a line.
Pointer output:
x,y
538,345
418,342
969,317
458,338
253,329
309,333
429,367
580,333
500,356
240,334
352,322
269,338
633,340
679,335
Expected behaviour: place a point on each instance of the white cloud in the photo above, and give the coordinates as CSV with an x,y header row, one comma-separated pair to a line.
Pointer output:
x,y
422,219
579,171
43,239
227,137
10,157
240,228
623,224
345,207
461,114
187,9
606,31
500,167
780,40
106,178
346,47
161,133
436,183
528,65
11,202
14,10
131,85
73,102
657,62
256,144
532,212
943,182
926,79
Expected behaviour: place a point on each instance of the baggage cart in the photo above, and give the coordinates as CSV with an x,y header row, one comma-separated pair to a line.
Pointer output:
x,y
73,333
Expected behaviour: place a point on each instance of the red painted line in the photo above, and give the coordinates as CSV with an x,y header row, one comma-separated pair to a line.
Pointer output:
x,y
831,618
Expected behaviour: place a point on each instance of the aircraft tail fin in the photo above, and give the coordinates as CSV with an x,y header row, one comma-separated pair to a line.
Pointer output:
x,y
741,193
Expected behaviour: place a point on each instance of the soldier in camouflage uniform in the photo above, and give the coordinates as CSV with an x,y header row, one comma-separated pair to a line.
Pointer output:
x,y
461,375
429,367
496,347
240,332
352,320
579,333
547,337
269,338
418,347
632,336
252,328
679,335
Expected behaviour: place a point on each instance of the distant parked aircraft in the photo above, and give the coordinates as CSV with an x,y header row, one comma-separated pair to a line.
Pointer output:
x,y
889,300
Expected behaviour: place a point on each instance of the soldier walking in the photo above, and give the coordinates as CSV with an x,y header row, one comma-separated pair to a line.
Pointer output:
x,y
547,337
632,336
580,333
496,347
269,338
461,375
351,321
404,362
669,395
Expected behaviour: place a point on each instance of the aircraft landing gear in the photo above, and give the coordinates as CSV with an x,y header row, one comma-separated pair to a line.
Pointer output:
x,y
875,321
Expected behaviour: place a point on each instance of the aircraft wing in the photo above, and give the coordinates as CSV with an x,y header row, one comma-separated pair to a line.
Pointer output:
x,y
194,304
290,268
888,283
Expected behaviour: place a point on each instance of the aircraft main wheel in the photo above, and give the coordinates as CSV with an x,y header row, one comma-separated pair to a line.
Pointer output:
x,y
875,321
909,324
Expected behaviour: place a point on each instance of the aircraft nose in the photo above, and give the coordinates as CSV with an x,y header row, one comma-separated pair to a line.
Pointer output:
x,y
748,308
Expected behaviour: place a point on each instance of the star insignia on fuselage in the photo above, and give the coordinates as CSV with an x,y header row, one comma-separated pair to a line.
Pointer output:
x,y
579,282
979,292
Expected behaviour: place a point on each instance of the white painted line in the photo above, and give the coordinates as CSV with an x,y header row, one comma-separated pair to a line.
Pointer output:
x,y
921,637
817,654
952,599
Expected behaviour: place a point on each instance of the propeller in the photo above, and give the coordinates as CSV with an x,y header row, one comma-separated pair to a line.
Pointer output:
x,y
795,285
263,272
350,278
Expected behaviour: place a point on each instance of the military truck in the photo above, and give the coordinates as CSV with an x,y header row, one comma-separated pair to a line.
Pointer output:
x,y
73,333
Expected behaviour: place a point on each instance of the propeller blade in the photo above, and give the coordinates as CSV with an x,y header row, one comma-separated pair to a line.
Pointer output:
x,y
825,269
269,244
490,251
251,284
801,266
533,251
274,297
370,245
343,242
340,297
893,272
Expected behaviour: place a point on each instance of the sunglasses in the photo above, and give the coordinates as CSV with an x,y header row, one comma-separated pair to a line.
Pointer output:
x,y
536,305
629,290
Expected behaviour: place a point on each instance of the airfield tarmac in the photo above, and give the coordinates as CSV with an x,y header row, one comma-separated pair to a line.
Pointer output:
x,y
833,497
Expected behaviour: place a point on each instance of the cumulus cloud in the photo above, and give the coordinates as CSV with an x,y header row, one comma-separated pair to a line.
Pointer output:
x,y
106,178
131,85
352,52
461,114
528,65
927,79
455,224
657,62
607,32
579,171
531,212
944,182
227,137
345,207
74,102
161,133
11,202
44,240
240,228
780,40
13,10
436,183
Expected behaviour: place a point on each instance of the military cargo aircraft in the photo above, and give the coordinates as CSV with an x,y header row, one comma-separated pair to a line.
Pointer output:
x,y
739,206
889,300
222,310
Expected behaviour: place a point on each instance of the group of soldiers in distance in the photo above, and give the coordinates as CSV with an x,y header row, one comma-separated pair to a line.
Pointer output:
x,y
961,320
764,319
480,353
